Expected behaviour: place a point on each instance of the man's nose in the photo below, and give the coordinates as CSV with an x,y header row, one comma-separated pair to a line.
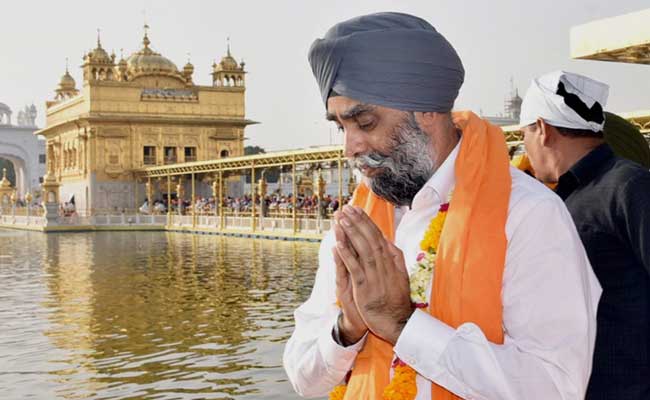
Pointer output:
x,y
354,144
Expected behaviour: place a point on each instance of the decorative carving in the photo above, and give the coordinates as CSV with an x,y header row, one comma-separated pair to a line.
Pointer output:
x,y
113,164
150,140
191,140
170,142
113,132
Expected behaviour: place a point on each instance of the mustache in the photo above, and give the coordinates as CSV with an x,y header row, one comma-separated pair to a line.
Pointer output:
x,y
373,160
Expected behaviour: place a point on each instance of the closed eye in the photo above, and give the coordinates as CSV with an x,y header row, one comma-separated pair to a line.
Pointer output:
x,y
366,127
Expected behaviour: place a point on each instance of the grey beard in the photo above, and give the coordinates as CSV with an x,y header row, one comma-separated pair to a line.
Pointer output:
x,y
406,169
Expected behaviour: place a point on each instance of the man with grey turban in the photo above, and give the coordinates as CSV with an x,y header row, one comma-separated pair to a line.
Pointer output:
x,y
450,274
608,197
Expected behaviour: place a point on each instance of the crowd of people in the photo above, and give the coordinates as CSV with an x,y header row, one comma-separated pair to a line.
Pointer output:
x,y
273,205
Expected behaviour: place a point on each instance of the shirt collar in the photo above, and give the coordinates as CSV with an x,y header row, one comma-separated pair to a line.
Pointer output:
x,y
443,180
586,169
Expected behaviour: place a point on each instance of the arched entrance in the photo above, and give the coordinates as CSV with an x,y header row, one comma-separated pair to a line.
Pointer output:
x,y
18,157
8,165
24,150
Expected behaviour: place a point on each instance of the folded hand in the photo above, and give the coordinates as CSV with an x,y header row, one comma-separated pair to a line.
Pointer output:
x,y
380,283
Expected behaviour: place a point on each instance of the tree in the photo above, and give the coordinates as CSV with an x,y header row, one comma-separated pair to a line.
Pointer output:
x,y
272,175
250,150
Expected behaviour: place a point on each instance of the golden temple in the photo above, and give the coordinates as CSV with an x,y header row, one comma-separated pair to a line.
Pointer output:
x,y
137,112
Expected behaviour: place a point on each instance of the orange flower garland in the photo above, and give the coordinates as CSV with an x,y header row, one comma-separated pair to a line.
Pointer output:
x,y
338,392
403,385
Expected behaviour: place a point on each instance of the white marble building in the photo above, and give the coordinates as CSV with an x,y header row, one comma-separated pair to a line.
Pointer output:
x,y
25,150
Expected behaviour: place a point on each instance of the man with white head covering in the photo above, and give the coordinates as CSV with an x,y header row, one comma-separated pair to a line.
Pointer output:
x,y
450,275
609,199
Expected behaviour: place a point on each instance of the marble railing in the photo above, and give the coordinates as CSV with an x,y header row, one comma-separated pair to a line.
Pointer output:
x,y
280,227
22,220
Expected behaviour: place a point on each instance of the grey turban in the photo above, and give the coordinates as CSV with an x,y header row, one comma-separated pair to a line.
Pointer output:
x,y
388,59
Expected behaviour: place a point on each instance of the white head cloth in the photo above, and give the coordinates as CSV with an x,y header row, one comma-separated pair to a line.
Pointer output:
x,y
566,100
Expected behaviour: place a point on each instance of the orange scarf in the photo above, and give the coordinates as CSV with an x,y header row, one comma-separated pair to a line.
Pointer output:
x,y
471,254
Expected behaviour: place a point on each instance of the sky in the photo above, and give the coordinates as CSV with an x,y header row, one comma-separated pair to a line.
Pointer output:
x,y
497,40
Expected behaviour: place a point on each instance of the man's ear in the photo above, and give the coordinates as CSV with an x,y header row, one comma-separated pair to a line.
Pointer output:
x,y
425,120
429,121
547,134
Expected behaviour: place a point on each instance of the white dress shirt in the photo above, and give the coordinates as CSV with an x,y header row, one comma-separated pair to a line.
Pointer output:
x,y
550,295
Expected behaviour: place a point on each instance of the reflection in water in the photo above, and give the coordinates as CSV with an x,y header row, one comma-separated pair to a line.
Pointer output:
x,y
115,315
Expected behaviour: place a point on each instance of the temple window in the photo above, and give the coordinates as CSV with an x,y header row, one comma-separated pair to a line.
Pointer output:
x,y
170,155
190,154
149,155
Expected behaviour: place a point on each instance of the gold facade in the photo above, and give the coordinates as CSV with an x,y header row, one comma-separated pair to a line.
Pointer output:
x,y
138,112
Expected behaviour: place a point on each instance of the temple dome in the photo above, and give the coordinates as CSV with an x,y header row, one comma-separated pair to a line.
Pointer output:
x,y
99,55
228,63
148,62
67,81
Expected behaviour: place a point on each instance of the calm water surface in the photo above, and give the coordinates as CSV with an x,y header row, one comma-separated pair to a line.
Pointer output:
x,y
135,315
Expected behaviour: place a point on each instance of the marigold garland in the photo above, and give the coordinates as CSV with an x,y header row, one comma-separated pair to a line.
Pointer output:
x,y
403,385
338,392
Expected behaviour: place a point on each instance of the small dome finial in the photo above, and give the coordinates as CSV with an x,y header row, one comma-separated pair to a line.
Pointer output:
x,y
228,40
146,40
66,66
99,42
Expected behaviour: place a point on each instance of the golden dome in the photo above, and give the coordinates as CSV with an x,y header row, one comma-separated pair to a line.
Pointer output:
x,y
99,55
228,63
142,62
67,81
148,62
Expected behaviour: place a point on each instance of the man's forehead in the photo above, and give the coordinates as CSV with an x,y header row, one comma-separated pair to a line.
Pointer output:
x,y
337,104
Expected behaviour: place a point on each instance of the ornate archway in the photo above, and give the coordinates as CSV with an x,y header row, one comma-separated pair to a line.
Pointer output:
x,y
24,150
26,178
